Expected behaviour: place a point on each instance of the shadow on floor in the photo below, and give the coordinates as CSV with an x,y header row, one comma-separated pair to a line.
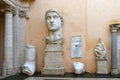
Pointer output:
x,y
16,77
67,75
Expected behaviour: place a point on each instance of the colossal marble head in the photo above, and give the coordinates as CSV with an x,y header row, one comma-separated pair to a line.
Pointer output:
x,y
54,19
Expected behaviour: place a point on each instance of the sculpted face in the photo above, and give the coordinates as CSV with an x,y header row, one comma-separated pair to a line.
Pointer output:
x,y
53,21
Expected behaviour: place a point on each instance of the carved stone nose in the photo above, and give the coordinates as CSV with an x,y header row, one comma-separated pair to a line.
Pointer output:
x,y
51,20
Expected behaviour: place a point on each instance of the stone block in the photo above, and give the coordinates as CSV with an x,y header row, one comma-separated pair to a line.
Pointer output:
x,y
53,58
53,71
102,66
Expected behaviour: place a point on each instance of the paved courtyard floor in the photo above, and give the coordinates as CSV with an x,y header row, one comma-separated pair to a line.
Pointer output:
x,y
67,76
58,78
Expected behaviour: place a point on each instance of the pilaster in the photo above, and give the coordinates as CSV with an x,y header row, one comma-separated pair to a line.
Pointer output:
x,y
114,28
8,41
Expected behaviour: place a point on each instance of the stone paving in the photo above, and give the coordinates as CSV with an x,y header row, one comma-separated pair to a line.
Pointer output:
x,y
67,76
54,78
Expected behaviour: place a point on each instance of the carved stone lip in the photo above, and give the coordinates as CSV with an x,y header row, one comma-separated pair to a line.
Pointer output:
x,y
52,25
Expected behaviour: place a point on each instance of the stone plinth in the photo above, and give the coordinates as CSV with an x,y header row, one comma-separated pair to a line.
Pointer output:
x,y
102,66
53,62
53,71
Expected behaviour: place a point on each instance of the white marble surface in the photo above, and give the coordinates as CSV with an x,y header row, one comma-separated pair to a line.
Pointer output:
x,y
100,50
54,22
29,66
76,46
78,67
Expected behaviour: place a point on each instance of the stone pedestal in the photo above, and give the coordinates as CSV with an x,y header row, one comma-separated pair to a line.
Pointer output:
x,y
102,66
53,62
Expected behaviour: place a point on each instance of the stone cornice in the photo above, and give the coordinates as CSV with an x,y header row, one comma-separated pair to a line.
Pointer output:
x,y
8,8
114,27
8,2
12,6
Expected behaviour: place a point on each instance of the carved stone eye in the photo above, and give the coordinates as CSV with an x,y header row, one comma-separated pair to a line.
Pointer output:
x,y
55,17
48,18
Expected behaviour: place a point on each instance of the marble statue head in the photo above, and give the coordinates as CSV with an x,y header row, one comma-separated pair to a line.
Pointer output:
x,y
54,19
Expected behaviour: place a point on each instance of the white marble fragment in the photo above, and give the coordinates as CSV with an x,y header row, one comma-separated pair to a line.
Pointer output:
x,y
30,60
100,50
78,67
